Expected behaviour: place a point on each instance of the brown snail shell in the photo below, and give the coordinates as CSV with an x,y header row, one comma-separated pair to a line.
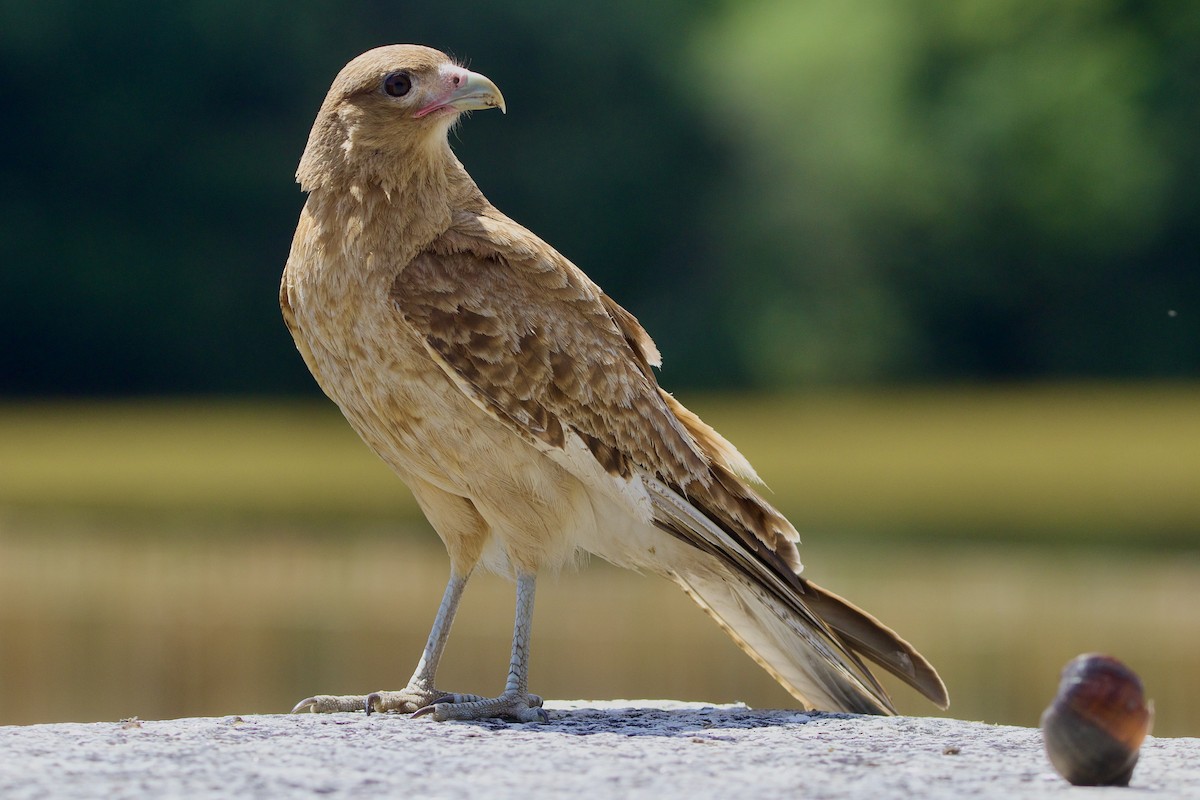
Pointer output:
x,y
1094,728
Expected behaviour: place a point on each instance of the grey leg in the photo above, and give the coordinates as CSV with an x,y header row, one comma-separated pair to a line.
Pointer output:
x,y
516,702
420,691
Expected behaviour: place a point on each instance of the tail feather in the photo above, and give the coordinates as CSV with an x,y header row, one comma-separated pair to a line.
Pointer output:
x,y
806,661
869,637
807,638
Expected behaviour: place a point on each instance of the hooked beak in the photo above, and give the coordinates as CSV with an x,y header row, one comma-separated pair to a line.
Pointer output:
x,y
465,91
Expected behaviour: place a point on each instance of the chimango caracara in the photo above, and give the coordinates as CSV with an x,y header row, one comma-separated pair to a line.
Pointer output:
x,y
519,404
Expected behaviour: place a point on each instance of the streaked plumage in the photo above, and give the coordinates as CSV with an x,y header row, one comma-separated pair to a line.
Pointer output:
x,y
519,403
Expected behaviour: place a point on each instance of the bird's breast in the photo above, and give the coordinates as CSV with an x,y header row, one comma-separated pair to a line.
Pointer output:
x,y
539,506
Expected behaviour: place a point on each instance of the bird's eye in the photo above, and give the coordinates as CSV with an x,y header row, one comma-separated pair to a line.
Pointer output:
x,y
397,84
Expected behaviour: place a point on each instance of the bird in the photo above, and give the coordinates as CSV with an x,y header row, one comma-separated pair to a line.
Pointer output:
x,y
520,405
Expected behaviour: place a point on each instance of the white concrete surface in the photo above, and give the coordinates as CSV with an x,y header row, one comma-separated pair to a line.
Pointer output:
x,y
635,749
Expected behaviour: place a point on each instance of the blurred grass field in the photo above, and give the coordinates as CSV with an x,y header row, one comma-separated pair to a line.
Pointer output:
x,y
1064,462
172,558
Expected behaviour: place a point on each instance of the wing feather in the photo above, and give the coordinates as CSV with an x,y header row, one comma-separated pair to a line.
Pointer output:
x,y
537,343
540,345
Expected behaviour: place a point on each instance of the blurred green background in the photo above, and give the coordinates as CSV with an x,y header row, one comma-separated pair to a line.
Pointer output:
x,y
933,266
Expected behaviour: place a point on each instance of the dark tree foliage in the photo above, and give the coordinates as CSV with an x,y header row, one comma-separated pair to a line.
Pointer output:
x,y
783,193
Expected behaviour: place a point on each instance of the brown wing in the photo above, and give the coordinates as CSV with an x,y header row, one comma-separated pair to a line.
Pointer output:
x,y
533,337
543,348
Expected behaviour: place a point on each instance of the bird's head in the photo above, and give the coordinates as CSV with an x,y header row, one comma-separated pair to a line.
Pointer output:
x,y
388,103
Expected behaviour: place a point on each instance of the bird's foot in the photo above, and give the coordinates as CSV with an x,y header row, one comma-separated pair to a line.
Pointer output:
x,y
510,705
407,700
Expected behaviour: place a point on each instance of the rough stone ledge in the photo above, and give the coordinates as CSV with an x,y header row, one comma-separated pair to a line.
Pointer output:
x,y
636,749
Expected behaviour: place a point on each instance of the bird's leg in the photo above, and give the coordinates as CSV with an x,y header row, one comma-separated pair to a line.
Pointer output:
x,y
420,691
516,702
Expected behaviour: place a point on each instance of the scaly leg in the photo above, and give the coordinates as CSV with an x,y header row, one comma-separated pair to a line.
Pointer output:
x,y
516,702
420,691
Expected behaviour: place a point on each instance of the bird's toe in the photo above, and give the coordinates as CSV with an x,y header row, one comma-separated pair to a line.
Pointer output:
x,y
329,704
411,699
514,706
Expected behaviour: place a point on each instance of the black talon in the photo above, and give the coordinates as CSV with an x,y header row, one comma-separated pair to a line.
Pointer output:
x,y
421,712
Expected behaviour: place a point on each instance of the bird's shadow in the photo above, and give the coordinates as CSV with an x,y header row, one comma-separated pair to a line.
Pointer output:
x,y
635,720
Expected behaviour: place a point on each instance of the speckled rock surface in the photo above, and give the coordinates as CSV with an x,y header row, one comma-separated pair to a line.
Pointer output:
x,y
638,749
